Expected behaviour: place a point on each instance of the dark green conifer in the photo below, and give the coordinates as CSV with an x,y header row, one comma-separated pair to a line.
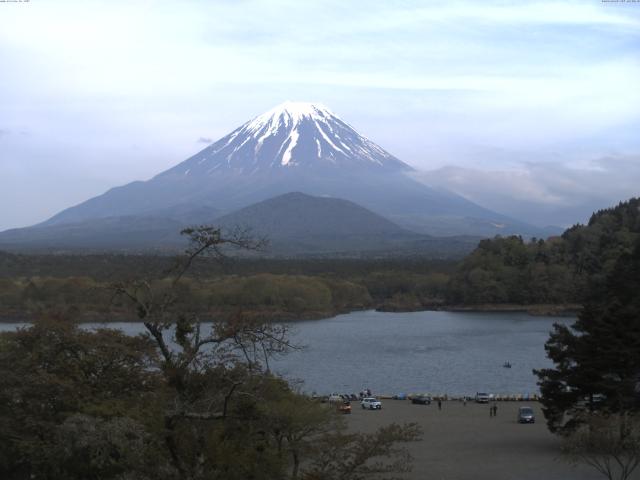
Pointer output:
x,y
597,360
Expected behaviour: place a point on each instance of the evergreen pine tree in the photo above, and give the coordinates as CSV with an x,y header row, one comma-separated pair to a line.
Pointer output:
x,y
597,360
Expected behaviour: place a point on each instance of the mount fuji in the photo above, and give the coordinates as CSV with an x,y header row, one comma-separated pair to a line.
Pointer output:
x,y
291,137
294,147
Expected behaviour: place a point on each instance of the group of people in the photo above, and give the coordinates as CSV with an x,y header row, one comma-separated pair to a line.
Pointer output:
x,y
365,393
493,409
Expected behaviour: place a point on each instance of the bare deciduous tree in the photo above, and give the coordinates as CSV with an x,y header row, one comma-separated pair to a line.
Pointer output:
x,y
608,443
206,364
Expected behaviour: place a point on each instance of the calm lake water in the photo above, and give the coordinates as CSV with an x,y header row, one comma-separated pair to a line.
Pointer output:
x,y
435,352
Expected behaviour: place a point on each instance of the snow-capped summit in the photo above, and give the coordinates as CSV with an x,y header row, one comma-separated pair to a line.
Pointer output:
x,y
292,135
291,112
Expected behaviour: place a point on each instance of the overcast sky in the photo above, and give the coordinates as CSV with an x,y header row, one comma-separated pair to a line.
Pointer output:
x,y
541,99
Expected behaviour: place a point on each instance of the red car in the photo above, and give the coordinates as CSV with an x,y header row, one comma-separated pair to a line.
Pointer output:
x,y
344,407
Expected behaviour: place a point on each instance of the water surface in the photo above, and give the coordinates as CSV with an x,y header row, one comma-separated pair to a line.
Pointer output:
x,y
437,352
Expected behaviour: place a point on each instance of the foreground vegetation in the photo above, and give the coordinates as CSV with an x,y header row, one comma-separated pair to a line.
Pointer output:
x,y
181,402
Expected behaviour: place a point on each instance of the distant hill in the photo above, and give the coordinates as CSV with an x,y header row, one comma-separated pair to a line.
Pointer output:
x,y
295,224
297,215
127,233
158,231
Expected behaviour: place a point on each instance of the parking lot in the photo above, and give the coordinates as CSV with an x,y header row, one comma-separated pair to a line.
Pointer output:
x,y
464,442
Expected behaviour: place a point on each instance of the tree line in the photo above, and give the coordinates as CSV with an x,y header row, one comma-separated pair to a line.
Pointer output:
x,y
277,296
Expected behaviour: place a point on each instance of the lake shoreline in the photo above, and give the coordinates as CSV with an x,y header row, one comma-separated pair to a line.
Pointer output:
x,y
542,310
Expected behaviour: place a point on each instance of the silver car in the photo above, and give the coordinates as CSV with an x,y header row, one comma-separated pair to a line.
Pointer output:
x,y
526,415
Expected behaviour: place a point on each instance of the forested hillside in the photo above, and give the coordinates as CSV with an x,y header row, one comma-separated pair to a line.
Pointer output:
x,y
277,289
501,272
512,270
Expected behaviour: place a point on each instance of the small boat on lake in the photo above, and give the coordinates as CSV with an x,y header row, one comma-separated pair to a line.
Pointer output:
x,y
506,365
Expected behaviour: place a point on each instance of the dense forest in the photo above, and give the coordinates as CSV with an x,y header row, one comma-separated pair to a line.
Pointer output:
x,y
278,288
511,270
503,271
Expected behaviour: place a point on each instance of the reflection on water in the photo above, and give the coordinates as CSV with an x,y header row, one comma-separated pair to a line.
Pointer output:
x,y
435,352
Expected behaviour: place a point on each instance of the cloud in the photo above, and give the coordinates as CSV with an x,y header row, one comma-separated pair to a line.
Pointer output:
x,y
545,193
4,132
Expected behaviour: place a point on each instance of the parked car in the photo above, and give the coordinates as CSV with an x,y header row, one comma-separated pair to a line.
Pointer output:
x,y
371,403
482,397
421,400
344,407
526,415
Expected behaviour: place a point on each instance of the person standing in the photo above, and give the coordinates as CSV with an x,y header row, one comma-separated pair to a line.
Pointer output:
x,y
439,404
495,410
490,410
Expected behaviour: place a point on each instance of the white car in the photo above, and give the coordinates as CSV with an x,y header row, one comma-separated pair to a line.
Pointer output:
x,y
482,397
371,403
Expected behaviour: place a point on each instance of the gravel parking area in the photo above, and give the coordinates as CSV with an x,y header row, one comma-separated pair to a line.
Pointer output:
x,y
464,442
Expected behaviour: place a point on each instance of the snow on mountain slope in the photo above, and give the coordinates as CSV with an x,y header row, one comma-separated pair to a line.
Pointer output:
x,y
293,135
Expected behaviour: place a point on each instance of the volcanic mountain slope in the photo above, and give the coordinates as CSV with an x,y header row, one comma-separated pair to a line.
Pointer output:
x,y
292,147
295,147
291,136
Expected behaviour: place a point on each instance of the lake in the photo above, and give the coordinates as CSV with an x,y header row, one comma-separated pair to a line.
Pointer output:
x,y
457,353
437,352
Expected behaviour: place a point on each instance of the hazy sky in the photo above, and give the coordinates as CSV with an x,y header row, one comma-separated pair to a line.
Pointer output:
x,y
539,98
